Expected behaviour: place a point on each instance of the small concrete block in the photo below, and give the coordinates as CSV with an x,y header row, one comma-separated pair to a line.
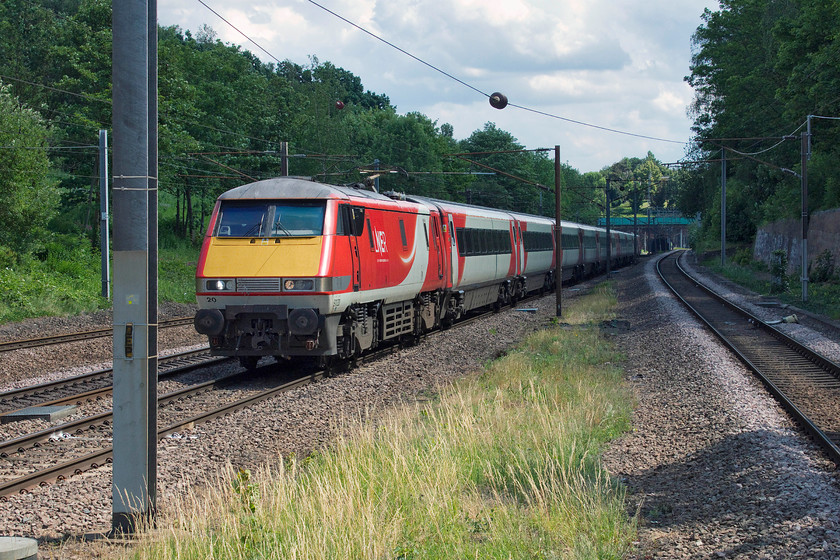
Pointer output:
x,y
48,413
18,548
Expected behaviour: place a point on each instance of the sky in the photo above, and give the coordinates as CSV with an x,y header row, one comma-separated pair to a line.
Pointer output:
x,y
613,64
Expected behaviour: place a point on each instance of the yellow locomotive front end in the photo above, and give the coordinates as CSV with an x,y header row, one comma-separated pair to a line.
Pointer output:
x,y
260,283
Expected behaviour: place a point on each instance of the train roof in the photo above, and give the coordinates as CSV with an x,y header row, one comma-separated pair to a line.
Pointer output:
x,y
465,208
298,188
306,188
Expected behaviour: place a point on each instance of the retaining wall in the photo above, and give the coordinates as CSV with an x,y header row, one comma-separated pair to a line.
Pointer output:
x,y
823,234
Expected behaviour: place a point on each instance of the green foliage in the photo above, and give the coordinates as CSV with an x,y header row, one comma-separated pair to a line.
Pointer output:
x,y
778,272
822,270
247,491
743,256
8,258
64,279
176,273
823,297
29,197
759,68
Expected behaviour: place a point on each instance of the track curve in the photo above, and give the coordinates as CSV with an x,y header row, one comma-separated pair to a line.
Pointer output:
x,y
804,382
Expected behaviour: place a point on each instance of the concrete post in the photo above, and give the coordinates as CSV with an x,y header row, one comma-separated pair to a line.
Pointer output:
x,y
135,262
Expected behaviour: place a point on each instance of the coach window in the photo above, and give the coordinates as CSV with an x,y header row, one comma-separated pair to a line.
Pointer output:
x,y
370,235
402,234
462,248
426,233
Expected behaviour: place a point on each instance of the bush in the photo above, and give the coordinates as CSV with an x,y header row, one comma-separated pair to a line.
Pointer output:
x,y
743,256
822,270
779,282
8,257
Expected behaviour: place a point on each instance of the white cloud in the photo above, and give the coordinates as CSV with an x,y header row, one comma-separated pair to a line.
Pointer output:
x,y
614,65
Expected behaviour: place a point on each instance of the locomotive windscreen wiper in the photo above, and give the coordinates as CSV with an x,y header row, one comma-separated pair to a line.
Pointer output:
x,y
279,225
253,229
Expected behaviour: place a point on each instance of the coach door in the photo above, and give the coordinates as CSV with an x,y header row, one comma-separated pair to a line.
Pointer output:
x,y
519,247
437,242
354,221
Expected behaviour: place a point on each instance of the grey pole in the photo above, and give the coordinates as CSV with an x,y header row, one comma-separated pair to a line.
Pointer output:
x,y
635,223
135,263
558,234
152,229
104,238
284,159
804,183
723,206
609,245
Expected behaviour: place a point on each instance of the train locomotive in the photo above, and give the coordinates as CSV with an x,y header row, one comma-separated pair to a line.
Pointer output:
x,y
291,267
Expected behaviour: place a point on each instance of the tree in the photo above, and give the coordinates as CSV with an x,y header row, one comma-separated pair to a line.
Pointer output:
x,y
29,197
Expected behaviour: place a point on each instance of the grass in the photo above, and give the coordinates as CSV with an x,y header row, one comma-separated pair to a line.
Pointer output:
x,y
823,297
504,464
67,280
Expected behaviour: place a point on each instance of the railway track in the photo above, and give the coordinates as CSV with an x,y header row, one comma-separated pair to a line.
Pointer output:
x,y
77,336
805,383
93,385
72,448
75,447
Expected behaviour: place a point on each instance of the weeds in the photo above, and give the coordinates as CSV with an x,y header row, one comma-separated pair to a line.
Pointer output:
x,y
502,465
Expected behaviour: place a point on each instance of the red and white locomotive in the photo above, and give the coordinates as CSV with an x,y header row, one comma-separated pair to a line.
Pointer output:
x,y
291,267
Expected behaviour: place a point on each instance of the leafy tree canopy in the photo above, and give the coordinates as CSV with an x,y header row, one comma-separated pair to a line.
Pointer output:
x,y
759,69
29,197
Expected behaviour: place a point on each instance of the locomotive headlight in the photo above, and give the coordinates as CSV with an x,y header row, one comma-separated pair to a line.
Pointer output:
x,y
299,285
219,285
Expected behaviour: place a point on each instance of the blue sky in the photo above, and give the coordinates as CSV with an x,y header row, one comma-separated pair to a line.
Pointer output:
x,y
609,63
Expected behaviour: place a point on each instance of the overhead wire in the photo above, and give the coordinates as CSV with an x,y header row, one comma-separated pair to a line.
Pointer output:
x,y
462,82
443,72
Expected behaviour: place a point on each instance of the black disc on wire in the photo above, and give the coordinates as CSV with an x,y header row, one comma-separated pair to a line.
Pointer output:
x,y
498,100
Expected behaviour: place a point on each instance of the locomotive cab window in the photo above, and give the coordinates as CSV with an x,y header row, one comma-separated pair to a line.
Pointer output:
x,y
270,219
351,220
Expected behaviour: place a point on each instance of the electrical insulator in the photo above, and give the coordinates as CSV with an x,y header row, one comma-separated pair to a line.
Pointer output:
x,y
498,100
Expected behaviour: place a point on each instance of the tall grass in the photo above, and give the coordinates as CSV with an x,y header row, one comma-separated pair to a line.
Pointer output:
x,y
503,465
